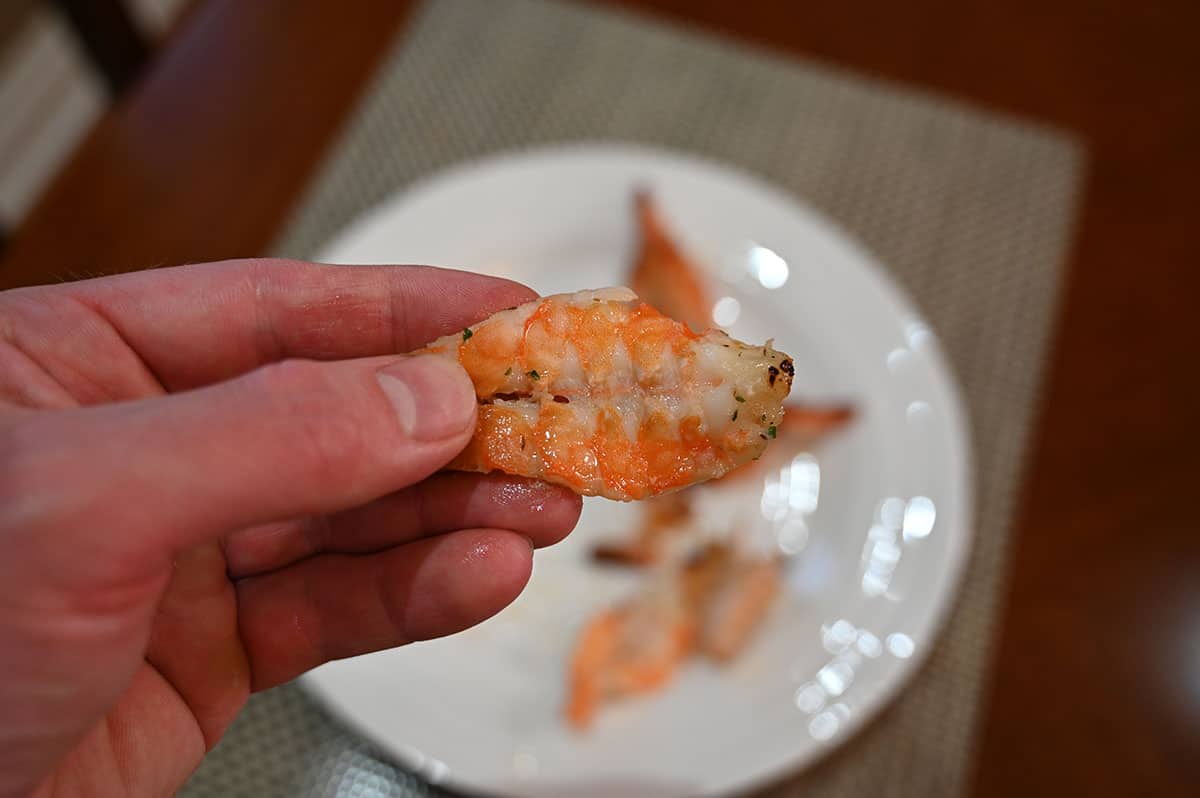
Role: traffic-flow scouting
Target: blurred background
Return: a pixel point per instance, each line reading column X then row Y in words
column 61, row 65
column 141, row 133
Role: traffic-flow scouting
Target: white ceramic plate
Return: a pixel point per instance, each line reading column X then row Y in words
column 877, row 519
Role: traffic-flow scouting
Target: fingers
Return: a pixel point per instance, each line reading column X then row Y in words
column 196, row 325
column 194, row 642
column 336, row 606
column 288, row 440
column 445, row 502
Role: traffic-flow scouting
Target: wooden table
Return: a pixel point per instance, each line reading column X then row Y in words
column 1096, row 677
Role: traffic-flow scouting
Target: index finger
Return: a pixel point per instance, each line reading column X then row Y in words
column 195, row 325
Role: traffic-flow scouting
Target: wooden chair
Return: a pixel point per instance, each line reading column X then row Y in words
column 107, row 33
column 111, row 39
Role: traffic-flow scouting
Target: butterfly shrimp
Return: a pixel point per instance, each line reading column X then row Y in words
column 600, row 392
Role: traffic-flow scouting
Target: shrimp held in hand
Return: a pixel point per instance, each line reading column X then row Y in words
column 600, row 392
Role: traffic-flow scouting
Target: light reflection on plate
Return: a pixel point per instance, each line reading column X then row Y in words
column 876, row 520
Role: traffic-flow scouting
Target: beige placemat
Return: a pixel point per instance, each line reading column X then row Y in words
column 970, row 210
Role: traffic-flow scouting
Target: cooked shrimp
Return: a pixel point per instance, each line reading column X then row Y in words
column 666, row 519
column 663, row 275
column 710, row 604
column 806, row 425
column 634, row 648
column 736, row 605
column 599, row 392
column 810, row 422
column 663, row 517
column 700, row 574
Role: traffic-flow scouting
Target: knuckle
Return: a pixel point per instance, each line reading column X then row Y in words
column 328, row 434
column 24, row 444
column 33, row 460
column 15, row 450
column 335, row 446
column 289, row 378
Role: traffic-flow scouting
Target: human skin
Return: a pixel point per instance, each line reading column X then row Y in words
column 216, row 477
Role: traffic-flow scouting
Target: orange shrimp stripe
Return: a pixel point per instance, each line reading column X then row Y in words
column 658, row 461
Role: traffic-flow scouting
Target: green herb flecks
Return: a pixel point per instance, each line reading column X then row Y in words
column 467, row 333
column 739, row 398
column 772, row 431
column 508, row 372
column 734, row 416
column 535, row 375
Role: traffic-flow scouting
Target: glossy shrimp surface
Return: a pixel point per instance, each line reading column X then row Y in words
column 600, row 392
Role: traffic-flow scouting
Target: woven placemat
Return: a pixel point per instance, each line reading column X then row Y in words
column 970, row 210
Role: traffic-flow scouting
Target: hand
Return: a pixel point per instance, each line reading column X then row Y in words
column 216, row 477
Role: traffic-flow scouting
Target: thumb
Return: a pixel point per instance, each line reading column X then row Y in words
column 290, row 439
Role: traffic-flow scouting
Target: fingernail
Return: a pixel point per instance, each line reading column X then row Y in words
column 433, row 397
